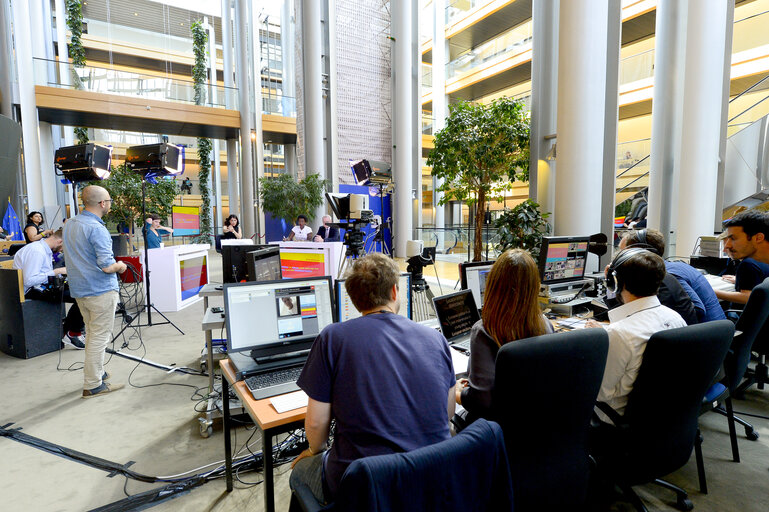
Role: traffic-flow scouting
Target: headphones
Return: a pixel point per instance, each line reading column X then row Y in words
column 612, row 282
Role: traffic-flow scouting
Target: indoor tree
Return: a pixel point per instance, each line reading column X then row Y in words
column 284, row 198
column 522, row 227
column 479, row 154
column 199, row 76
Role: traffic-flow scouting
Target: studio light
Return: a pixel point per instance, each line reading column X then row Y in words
column 83, row 162
column 161, row 159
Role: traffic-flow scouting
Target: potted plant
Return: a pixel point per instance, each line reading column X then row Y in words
column 284, row 198
column 522, row 227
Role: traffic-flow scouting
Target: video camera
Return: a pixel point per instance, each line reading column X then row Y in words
column 353, row 214
column 417, row 258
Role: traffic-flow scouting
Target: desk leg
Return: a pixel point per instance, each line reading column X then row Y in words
column 210, row 362
column 269, row 484
column 227, row 440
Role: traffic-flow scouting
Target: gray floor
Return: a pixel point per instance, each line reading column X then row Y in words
column 157, row 428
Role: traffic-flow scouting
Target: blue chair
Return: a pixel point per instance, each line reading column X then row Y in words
column 467, row 473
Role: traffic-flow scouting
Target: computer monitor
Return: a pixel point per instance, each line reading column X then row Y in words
column 473, row 277
column 277, row 317
column 235, row 261
column 457, row 313
column 264, row 264
column 346, row 311
column 562, row 258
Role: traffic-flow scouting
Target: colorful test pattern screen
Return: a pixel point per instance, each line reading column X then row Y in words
column 565, row 260
column 300, row 265
column 194, row 275
column 185, row 220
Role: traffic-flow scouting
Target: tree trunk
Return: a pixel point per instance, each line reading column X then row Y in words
column 480, row 207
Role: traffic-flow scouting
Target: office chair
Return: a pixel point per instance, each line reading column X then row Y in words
column 656, row 435
column 544, row 392
column 466, row 473
column 760, row 374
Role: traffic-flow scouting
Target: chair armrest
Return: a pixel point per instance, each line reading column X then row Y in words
column 613, row 415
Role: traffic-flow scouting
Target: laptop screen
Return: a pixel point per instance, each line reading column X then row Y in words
column 276, row 313
column 456, row 313
column 473, row 277
column 346, row 310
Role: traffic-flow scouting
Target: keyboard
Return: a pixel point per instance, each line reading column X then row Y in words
column 273, row 383
column 464, row 345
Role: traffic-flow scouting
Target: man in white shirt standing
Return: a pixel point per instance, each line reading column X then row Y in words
column 36, row 263
column 637, row 274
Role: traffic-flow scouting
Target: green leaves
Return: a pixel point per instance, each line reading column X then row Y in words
column 199, row 77
column 522, row 227
column 75, row 25
column 199, row 69
column 284, row 198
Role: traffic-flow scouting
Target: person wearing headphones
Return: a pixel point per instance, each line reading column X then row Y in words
column 634, row 275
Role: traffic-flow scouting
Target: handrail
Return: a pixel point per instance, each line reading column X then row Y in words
column 633, row 166
column 632, row 141
column 748, row 90
column 628, row 185
column 750, row 107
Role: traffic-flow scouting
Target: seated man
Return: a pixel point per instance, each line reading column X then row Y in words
column 387, row 381
column 327, row 232
column 747, row 239
column 691, row 280
column 638, row 275
column 36, row 263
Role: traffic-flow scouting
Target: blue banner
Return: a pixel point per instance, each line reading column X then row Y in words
column 11, row 224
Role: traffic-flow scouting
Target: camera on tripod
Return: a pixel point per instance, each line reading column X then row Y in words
column 417, row 258
column 353, row 214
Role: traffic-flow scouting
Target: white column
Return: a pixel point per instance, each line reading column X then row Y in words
column 287, row 38
column 701, row 123
column 440, row 100
column 229, row 84
column 6, row 60
column 246, row 119
column 582, row 47
column 667, row 109
column 312, row 43
column 256, row 52
column 402, row 129
column 218, row 221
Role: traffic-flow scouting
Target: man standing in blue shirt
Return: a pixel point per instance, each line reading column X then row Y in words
column 91, row 269
column 387, row 381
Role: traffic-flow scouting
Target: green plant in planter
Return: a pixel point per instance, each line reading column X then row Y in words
column 284, row 198
column 199, row 76
column 77, row 53
column 522, row 227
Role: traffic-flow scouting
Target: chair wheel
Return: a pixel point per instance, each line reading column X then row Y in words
column 685, row 504
column 752, row 435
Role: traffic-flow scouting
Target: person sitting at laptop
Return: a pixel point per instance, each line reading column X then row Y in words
column 510, row 312
column 386, row 380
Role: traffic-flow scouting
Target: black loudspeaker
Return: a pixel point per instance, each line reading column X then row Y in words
column 83, row 162
column 156, row 159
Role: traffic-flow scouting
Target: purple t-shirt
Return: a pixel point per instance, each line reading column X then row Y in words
column 387, row 380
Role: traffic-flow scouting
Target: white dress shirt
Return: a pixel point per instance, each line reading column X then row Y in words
column 301, row 234
column 632, row 325
column 36, row 263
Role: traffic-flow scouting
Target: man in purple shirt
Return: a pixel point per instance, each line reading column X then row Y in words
column 387, row 381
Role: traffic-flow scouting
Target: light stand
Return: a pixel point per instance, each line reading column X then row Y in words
column 379, row 233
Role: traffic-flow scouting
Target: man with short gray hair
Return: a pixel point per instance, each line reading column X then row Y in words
column 327, row 232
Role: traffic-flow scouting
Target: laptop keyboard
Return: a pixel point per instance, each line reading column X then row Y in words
column 464, row 345
column 273, row 383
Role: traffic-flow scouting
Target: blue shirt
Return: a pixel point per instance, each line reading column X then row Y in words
column 153, row 240
column 387, row 380
column 699, row 290
column 750, row 273
column 88, row 247
column 36, row 263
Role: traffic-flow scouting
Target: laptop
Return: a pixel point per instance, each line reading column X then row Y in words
column 271, row 326
column 457, row 313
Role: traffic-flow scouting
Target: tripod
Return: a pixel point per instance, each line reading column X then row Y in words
column 422, row 296
column 354, row 242
column 384, row 224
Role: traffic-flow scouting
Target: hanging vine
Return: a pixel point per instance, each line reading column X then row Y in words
column 76, row 53
column 199, row 76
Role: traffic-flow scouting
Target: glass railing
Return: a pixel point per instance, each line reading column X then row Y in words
column 636, row 67
column 458, row 9
column 427, row 124
column 750, row 32
column 427, row 76
column 108, row 80
column 631, row 153
column 748, row 107
column 512, row 42
column 279, row 105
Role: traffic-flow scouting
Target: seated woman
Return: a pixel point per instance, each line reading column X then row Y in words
column 32, row 231
column 510, row 312
column 232, row 228
column 301, row 232
column 151, row 227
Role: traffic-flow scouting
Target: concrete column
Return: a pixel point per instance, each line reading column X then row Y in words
column 611, row 116
column 312, row 63
column 416, row 115
column 330, row 102
column 544, row 99
column 6, row 60
column 703, row 97
column 440, row 100
column 402, row 65
column 258, row 138
column 246, row 119
column 667, row 109
column 582, row 51
column 213, row 92
column 233, row 190
column 726, row 93
column 287, row 38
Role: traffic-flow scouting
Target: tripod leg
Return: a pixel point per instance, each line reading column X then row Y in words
column 166, row 319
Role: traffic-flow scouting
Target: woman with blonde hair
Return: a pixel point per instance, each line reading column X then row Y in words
column 510, row 312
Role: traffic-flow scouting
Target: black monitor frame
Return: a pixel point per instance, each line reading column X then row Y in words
column 549, row 240
column 237, row 255
column 338, row 283
column 473, row 312
column 470, row 264
column 261, row 254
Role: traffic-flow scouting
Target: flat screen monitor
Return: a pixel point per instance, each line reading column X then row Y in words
column 457, row 313
column 562, row 258
column 235, row 262
column 264, row 264
column 473, row 277
column 346, row 311
column 277, row 317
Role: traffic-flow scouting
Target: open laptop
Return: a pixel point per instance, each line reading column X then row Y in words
column 457, row 313
column 271, row 326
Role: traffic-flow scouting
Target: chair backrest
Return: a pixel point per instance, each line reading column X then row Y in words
column 751, row 322
column 466, row 473
column 678, row 368
column 543, row 397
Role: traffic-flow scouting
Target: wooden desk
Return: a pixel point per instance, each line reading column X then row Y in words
column 266, row 418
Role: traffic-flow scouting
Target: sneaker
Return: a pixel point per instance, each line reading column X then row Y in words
column 74, row 340
column 101, row 390
column 106, row 376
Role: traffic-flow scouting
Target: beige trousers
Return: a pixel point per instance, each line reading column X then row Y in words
column 99, row 316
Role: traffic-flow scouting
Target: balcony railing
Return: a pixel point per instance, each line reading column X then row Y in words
column 512, row 42
column 636, row 67
column 456, row 9
column 276, row 104
column 427, row 123
column 427, row 76
column 750, row 32
column 108, row 80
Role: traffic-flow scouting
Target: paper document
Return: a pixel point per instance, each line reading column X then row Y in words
column 572, row 322
column 718, row 283
column 460, row 361
column 289, row 401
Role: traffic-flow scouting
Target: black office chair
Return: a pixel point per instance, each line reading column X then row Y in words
column 656, row 435
column 466, row 473
column 544, row 392
column 760, row 375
